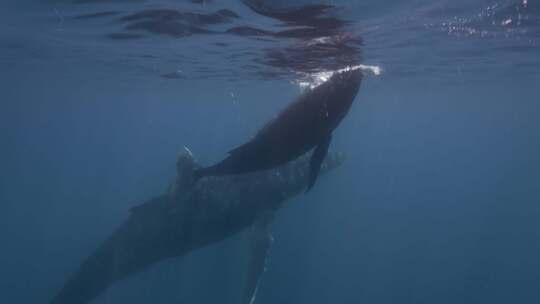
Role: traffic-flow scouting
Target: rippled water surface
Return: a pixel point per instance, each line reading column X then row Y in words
column 437, row 201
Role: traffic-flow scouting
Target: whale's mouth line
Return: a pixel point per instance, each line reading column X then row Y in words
column 313, row 80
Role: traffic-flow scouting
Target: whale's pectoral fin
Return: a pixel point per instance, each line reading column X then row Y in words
column 316, row 160
column 260, row 242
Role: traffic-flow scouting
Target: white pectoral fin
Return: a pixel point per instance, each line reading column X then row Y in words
column 260, row 242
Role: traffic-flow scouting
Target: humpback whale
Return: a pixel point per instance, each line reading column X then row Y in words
column 188, row 217
column 304, row 124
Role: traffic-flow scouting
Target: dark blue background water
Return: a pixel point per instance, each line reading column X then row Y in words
column 438, row 201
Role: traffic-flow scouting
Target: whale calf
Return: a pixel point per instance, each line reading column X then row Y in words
column 304, row 124
column 188, row 217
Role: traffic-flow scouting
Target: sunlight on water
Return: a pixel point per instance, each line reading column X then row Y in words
column 316, row 79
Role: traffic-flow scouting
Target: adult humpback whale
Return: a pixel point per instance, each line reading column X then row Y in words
column 304, row 124
column 190, row 217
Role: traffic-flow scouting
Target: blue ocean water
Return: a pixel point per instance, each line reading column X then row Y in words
column 437, row 201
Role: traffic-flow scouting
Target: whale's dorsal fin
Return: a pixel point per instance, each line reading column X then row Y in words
column 260, row 242
column 316, row 160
